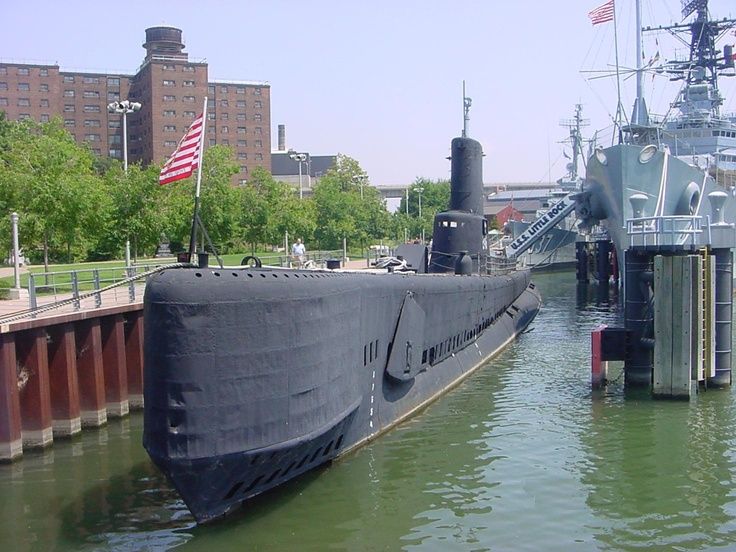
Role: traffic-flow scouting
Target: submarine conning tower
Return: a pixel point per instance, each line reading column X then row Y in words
column 462, row 227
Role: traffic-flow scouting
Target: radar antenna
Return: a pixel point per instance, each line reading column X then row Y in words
column 466, row 112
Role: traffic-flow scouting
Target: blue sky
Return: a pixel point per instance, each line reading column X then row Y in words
column 381, row 81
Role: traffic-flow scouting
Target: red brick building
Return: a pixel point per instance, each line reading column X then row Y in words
column 171, row 90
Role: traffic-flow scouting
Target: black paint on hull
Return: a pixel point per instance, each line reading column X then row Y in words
column 254, row 376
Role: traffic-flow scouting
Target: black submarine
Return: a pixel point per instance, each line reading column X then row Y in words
column 254, row 376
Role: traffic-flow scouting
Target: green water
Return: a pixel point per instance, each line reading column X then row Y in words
column 521, row 456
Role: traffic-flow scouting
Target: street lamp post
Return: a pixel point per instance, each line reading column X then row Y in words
column 124, row 107
column 360, row 178
column 299, row 158
column 419, row 192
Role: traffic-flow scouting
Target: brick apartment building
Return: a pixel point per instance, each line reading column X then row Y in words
column 171, row 89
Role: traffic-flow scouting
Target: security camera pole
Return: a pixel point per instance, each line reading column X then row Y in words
column 124, row 107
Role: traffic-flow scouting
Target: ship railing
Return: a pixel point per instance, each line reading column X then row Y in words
column 662, row 231
column 496, row 264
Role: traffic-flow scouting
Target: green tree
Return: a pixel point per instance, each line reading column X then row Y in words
column 49, row 180
column 136, row 210
column 435, row 197
column 346, row 206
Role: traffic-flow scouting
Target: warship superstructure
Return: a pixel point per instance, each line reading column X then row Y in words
column 254, row 376
column 668, row 167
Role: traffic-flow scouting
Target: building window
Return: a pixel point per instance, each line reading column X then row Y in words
column 259, row 157
column 3, row 101
column 189, row 99
column 43, row 87
column 242, row 143
column 188, row 83
column 169, row 67
column 68, row 93
column 69, row 108
column 257, row 91
column 225, row 142
column 169, row 128
column 211, row 89
column 240, row 103
column 68, row 78
column 24, row 116
column 115, row 153
column 223, row 103
column 169, row 83
column 96, row 151
column 24, row 102
column 3, row 70
column 91, row 80
column 242, row 182
column 259, row 144
column 188, row 68
column 223, row 90
column 113, row 96
column 258, row 104
column 91, row 122
column 113, row 81
column 241, row 117
column 44, row 103
column 224, row 117
column 44, row 118
column 259, row 131
column 170, row 143
column 91, row 94
column 212, row 141
column 69, row 122
column 91, row 108
column 211, row 116
column 242, row 155
column 169, row 98
column 169, row 113
column 3, row 85
column 240, row 90
column 242, row 130
column 43, row 72
column 24, row 87
column 92, row 137
column 114, row 139
column 224, row 130
column 113, row 124
column 23, row 71
column 257, row 117
column 211, row 130
column 243, row 169
column 190, row 114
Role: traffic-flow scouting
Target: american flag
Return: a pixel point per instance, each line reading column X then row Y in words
column 602, row 14
column 185, row 158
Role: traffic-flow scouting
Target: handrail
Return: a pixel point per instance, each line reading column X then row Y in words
column 670, row 230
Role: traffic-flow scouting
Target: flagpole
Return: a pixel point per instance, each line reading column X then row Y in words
column 617, row 122
column 200, row 162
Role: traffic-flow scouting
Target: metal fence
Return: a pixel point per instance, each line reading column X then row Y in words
column 60, row 285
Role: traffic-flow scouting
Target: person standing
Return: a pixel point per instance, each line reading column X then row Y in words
column 298, row 252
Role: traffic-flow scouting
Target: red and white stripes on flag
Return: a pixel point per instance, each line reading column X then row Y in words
column 602, row 14
column 185, row 158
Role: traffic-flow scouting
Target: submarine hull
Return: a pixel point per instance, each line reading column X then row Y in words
column 256, row 375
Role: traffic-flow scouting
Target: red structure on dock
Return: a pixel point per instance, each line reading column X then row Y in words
column 62, row 373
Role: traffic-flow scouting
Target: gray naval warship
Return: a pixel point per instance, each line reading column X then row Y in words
column 663, row 170
column 254, row 376
column 666, row 190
